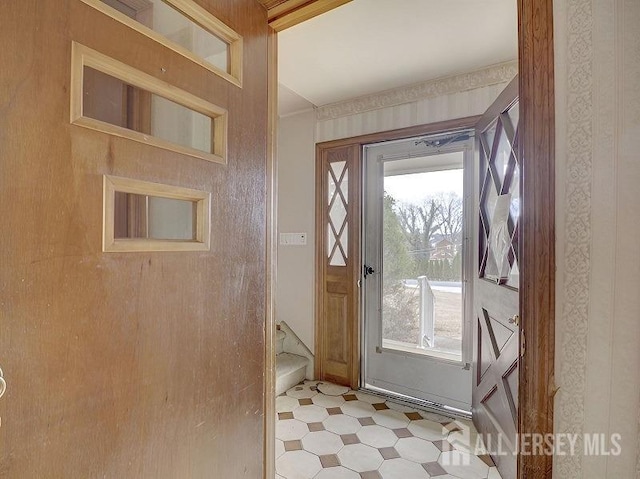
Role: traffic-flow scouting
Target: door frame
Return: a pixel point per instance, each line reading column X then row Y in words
column 450, row 370
column 358, row 142
column 537, row 294
column 269, row 470
column 537, row 254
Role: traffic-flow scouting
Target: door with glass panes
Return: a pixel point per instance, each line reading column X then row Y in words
column 133, row 235
column 418, row 207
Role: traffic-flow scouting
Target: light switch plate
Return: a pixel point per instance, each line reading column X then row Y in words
column 293, row 239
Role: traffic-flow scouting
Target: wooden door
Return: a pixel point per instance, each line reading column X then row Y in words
column 496, row 332
column 338, row 264
column 137, row 364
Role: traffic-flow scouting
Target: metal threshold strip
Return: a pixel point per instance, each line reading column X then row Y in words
column 429, row 406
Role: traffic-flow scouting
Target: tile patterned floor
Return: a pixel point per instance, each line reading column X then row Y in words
column 324, row 431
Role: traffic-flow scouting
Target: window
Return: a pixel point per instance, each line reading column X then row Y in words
column 115, row 98
column 144, row 216
column 186, row 28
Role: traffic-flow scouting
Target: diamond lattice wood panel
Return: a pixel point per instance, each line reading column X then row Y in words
column 500, row 199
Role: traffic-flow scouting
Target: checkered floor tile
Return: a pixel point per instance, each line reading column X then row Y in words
column 325, row 431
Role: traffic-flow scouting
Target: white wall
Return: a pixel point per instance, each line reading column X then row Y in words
column 296, row 203
column 598, row 230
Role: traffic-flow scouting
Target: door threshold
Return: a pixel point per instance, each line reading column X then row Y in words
column 418, row 403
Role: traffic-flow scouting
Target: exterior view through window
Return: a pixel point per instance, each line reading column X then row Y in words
column 422, row 248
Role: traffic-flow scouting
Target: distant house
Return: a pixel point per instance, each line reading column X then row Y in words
column 443, row 249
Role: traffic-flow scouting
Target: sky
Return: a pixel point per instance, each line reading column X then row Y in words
column 413, row 188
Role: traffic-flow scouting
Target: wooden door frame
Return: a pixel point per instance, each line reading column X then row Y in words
column 537, row 294
column 271, row 260
column 537, row 255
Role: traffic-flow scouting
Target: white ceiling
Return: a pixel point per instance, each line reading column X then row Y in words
column 368, row 46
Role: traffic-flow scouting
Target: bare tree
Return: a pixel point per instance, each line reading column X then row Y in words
column 449, row 217
column 419, row 223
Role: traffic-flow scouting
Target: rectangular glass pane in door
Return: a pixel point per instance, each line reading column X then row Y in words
column 422, row 302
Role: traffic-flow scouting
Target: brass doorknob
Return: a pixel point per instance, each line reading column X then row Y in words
column 3, row 384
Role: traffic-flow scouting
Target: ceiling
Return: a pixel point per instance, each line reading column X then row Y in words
column 368, row 46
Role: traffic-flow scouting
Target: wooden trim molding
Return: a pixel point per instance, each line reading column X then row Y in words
column 537, row 264
column 272, row 258
column 83, row 56
column 113, row 184
column 408, row 132
column 287, row 13
column 204, row 19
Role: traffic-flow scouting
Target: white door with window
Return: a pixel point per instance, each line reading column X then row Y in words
column 418, row 219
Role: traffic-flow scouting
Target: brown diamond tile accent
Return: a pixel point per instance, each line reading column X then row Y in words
column 388, row 452
column 403, row 432
column 293, row 445
column 434, row 469
column 380, row 406
column 329, row 460
column 487, row 460
column 334, row 411
column 413, row 416
column 444, row 446
column 315, row 426
column 366, row 421
column 451, row 426
column 349, row 439
column 350, row 397
column 370, row 475
column 298, row 388
column 305, row 402
column 285, row 415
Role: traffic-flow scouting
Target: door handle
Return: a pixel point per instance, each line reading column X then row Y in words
column 368, row 270
column 515, row 319
column 3, row 384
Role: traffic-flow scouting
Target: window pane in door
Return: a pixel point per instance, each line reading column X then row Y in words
column 118, row 103
column 422, row 306
column 338, row 180
column 166, row 20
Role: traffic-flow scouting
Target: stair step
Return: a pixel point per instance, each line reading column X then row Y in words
column 290, row 370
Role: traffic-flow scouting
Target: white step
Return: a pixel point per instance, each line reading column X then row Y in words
column 280, row 335
column 290, row 370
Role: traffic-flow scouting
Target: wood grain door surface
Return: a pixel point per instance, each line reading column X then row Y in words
column 126, row 365
column 496, row 332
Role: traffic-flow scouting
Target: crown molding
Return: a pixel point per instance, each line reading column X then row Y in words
column 500, row 73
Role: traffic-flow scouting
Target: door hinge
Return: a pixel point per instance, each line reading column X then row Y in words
column 522, row 343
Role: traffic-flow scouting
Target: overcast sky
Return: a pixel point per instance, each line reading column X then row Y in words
column 414, row 188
